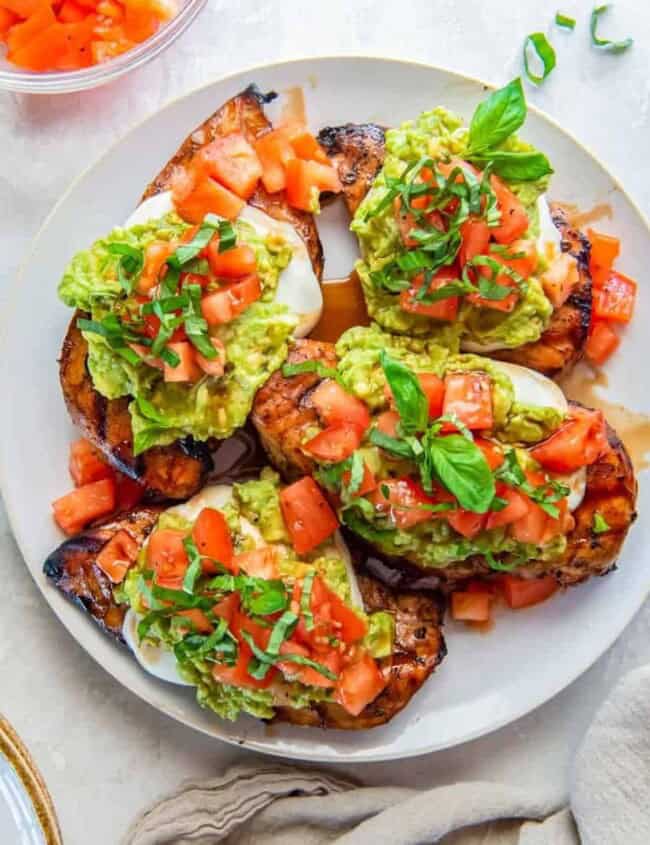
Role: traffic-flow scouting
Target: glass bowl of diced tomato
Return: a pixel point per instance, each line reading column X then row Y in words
column 61, row 46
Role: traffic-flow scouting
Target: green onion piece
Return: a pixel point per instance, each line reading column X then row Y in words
column 282, row 630
column 565, row 21
column 186, row 252
column 303, row 367
column 357, row 471
column 195, row 568
column 171, row 358
column 305, row 599
column 605, row 43
column 599, row 524
column 538, row 42
column 227, row 236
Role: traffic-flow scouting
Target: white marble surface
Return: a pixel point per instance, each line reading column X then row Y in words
column 104, row 753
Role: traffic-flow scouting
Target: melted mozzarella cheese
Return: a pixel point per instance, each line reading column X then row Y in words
column 154, row 659
column 298, row 288
column 532, row 388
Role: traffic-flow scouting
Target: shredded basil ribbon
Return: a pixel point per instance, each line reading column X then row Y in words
column 564, row 21
column 539, row 43
column 605, row 43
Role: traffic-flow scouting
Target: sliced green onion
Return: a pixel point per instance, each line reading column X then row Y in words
column 303, row 367
column 538, row 42
column 186, row 252
column 565, row 21
column 305, row 599
column 282, row 630
column 605, row 43
column 227, row 236
column 195, row 568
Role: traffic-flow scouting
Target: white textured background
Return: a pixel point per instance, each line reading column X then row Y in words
column 104, row 753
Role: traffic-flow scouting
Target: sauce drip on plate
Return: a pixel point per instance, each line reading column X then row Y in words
column 343, row 308
column 579, row 218
column 239, row 457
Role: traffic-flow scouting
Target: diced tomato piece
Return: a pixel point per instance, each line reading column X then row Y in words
column 492, row 451
column 524, row 258
column 506, row 304
column 274, row 151
column 335, row 443
column 167, row 557
column 305, row 181
column 23, row 34
column 349, row 625
column 45, row 49
column 260, row 635
column 560, row 279
column 71, row 12
column 604, row 252
column 530, row 528
column 117, row 556
column 562, row 524
column 214, row 367
column 336, row 405
column 524, row 592
column 196, row 195
column 359, row 684
column 155, row 256
column 7, row 20
column 602, row 342
column 305, row 145
column 468, row 396
column 368, row 482
column 24, row 8
column 306, row 674
column 233, row 263
column 187, row 369
column 75, row 510
column 259, row 563
column 387, row 423
column 477, row 585
column 86, row 463
column 129, row 492
column 228, row 607
column 616, row 299
column 237, row 675
column 579, row 442
column 406, row 221
column 475, row 239
column 433, row 388
column 470, row 607
column 199, row 622
column 229, row 302
column 151, row 329
column 514, row 220
column 308, row 517
column 516, row 508
column 444, row 309
column 467, row 523
column 231, row 160
column 402, row 499
column 212, row 537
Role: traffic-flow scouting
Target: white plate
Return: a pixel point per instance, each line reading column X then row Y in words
column 486, row 681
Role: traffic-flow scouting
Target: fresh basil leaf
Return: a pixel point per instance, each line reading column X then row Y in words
column 305, row 599
column 189, row 251
column 181, row 599
column 412, row 405
column 498, row 117
column 357, row 471
column 396, row 447
column 599, row 524
column 515, row 166
column 492, row 290
column 461, row 467
column 605, row 43
column 227, row 236
column 564, row 21
column 385, row 279
column 149, row 410
column 196, row 329
column 195, row 567
column 170, row 282
column 303, row 367
column 544, row 51
column 170, row 357
column 267, row 599
column 358, row 525
column 282, row 630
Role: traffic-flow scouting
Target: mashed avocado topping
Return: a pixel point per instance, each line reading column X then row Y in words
column 254, row 343
column 197, row 622
column 440, row 136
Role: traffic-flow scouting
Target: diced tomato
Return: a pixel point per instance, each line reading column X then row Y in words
column 7, row 20
column 216, row 366
column 212, row 537
column 514, row 220
column 129, row 492
column 237, row 675
column 117, row 556
column 530, row 528
column 196, row 195
column 477, row 585
column 151, row 329
column 199, row 622
column 470, row 607
column 167, row 557
column 468, row 396
column 368, row 482
column 274, row 151
column 387, row 423
column 335, row 443
column 336, row 405
column 86, row 464
column 24, row 8
column 492, row 451
column 506, row 304
column 359, row 684
column 516, row 508
column 187, row 369
column 526, row 260
column 23, row 34
column 349, row 625
column 312, row 677
column 155, row 256
column 259, row 563
column 228, row 607
column 402, row 499
column 233, row 263
column 260, row 635
column 475, row 239
column 406, row 221
column 602, row 342
column 433, row 388
column 467, row 523
column 231, row 160
column 445, row 309
column 616, row 299
column 562, row 524
column 524, row 592
column 604, row 252
column 307, row 515
column 45, row 49
column 560, row 279
column 579, row 442
column 229, row 302
column 304, row 144
column 75, row 510
column 305, row 181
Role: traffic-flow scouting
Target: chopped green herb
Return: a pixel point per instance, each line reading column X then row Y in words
column 282, row 630
column 408, row 395
column 565, row 21
column 305, row 599
column 357, row 471
column 605, row 43
column 394, row 445
column 227, row 236
column 599, row 524
column 539, row 44
column 461, row 467
column 303, row 367
column 187, row 252
column 195, row 568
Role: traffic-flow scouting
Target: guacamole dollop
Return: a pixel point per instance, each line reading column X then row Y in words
column 256, row 342
column 257, row 504
column 440, row 133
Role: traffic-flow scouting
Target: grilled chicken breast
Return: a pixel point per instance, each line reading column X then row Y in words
column 282, row 414
column 357, row 151
column 179, row 470
column 419, row 642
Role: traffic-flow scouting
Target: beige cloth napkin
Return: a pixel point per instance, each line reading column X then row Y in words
column 280, row 805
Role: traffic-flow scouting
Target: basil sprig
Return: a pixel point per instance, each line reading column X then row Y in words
column 460, row 466
column 263, row 661
column 258, row 596
column 605, row 43
column 546, row 495
column 410, row 401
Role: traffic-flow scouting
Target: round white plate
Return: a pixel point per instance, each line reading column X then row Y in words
column 486, row 681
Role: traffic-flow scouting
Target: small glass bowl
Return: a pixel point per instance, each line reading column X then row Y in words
column 66, row 82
